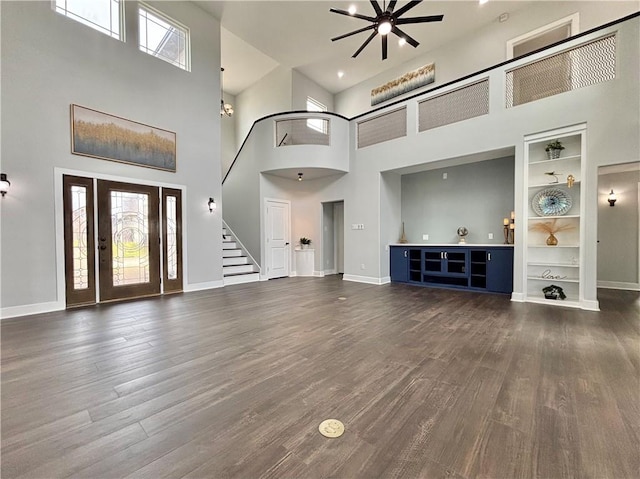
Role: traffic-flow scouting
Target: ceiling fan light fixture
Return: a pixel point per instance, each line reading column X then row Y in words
column 384, row 27
column 402, row 42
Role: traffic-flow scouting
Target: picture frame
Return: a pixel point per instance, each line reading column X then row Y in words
column 108, row 137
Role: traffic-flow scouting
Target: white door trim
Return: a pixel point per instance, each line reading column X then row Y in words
column 266, row 239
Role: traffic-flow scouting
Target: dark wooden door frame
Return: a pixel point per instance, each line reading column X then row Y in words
column 171, row 285
column 78, row 297
column 107, row 291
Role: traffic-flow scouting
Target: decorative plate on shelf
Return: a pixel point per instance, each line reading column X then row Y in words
column 551, row 202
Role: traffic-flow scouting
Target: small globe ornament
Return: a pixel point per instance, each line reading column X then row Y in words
column 462, row 232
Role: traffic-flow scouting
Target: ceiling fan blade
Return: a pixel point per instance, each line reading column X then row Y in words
column 431, row 18
column 376, row 7
column 408, row 39
column 384, row 47
column 392, row 5
column 406, row 8
column 354, row 32
column 356, row 15
column 366, row 42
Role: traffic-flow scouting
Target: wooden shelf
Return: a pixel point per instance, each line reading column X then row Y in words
column 532, row 218
column 555, row 265
column 553, row 280
column 545, row 185
column 555, row 160
column 553, row 247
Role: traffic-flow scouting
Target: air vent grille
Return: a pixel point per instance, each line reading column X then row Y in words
column 454, row 106
column 585, row 65
column 382, row 128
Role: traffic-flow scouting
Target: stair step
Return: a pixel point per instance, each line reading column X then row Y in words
column 241, row 278
column 243, row 268
column 229, row 245
column 235, row 260
column 227, row 237
column 230, row 253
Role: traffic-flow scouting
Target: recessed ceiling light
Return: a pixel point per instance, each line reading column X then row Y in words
column 482, row 2
column 340, row 74
column 402, row 42
column 352, row 9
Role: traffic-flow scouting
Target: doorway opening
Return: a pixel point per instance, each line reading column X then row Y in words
column 333, row 237
column 619, row 227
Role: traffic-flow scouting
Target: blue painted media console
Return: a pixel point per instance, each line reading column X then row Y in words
column 484, row 268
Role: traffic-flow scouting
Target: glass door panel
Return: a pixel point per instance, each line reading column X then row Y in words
column 128, row 240
column 79, row 240
column 172, row 239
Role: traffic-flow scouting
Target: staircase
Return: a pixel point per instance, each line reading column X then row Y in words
column 237, row 266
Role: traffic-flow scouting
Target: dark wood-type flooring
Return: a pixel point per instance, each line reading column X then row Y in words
column 234, row 382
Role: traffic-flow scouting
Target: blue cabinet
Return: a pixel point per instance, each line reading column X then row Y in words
column 399, row 264
column 468, row 267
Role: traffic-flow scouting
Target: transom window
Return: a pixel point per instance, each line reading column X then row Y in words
column 106, row 16
column 163, row 37
column 316, row 124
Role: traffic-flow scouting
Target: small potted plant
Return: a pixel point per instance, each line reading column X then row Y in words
column 305, row 243
column 551, row 228
column 553, row 149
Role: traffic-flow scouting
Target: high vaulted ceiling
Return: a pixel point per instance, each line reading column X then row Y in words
column 257, row 36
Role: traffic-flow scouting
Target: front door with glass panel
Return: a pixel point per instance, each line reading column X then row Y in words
column 126, row 247
column 128, row 240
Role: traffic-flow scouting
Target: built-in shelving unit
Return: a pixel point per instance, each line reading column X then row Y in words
column 560, row 264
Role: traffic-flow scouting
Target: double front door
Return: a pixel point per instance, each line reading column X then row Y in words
column 131, row 232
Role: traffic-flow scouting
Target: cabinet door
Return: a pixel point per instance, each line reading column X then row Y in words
column 433, row 260
column 500, row 270
column 399, row 264
column 456, row 262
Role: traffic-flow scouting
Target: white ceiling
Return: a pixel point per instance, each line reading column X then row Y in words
column 257, row 36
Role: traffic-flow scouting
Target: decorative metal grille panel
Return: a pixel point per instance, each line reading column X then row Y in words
column 381, row 128
column 585, row 65
column 457, row 105
column 303, row 131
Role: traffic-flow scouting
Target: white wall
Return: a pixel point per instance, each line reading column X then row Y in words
column 303, row 87
column 50, row 62
column 271, row 94
column 618, row 230
column 228, row 141
column 483, row 49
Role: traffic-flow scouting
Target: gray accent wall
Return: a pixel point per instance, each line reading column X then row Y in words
column 477, row 196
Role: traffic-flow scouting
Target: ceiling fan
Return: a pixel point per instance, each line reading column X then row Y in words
column 386, row 21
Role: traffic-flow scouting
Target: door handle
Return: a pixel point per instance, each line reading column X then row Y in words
column 405, row 253
column 287, row 243
column 488, row 256
column 445, row 255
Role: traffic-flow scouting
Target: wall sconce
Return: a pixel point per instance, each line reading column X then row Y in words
column 612, row 198
column 4, row 184
column 299, row 176
column 212, row 205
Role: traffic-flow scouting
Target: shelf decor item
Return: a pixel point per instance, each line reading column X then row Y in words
column 305, row 243
column 551, row 228
column 551, row 202
column 553, row 150
column 403, row 237
column 570, row 180
column 462, row 232
column 553, row 292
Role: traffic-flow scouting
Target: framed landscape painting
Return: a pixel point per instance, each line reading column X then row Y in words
column 108, row 137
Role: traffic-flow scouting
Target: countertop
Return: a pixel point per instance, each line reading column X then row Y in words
column 450, row 245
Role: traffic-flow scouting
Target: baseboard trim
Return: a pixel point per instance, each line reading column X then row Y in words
column 190, row 288
column 517, row 297
column 590, row 305
column 29, row 309
column 362, row 279
column 319, row 274
column 619, row 285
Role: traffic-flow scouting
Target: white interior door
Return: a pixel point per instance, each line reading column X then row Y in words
column 277, row 241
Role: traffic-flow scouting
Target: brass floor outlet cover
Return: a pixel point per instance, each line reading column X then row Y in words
column 331, row 428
